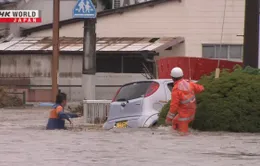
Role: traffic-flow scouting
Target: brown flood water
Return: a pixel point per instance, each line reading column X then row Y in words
column 24, row 142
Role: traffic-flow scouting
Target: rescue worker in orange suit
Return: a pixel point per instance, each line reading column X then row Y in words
column 183, row 104
column 57, row 115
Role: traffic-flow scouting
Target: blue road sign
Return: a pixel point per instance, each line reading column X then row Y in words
column 84, row 9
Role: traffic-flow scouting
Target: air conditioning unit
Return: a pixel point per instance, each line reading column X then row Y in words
column 116, row 4
column 122, row 3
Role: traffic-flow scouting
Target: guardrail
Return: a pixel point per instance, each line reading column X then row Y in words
column 96, row 111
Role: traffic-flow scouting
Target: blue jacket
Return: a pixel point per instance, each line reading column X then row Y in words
column 57, row 118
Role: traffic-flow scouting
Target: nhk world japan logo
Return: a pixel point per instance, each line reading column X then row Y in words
column 20, row 16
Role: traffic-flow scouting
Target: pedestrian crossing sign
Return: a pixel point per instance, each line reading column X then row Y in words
column 84, row 9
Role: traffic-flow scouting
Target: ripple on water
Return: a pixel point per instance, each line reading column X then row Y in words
column 24, row 141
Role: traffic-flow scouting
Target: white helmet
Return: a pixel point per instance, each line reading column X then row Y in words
column 177, row 72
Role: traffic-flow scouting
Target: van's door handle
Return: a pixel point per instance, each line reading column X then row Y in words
column 123, row 104
column 137, row 104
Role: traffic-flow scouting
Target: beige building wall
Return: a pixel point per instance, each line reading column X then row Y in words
column 177, row 50
column 198, row 21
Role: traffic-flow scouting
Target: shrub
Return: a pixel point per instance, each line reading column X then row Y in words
column 76, row 109
column 8, row 100
column 229, row 103
column 163, row 114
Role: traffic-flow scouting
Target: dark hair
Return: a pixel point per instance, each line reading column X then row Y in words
column 176, row 79
column 60, row 98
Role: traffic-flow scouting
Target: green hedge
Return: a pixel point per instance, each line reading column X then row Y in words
column 163, row 114
column 229, row 103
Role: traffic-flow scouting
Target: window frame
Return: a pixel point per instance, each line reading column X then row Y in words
column 132, row 84
column 170, row 84
column 228, row 51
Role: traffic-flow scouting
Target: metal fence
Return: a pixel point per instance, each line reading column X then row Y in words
column 96, row 111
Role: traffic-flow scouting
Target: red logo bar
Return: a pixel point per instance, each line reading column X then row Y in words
column 20, row 20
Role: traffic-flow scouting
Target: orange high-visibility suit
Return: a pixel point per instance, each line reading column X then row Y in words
column 184, row 103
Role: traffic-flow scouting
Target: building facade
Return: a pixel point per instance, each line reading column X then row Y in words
column 211, row 29
column 46, row 9
column 25, row 64
column 200, row 28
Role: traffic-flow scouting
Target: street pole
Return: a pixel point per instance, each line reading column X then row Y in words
column 89, row 59
column 56, row 48
column 251, row 34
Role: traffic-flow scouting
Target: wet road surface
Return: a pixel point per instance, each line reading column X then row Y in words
column 24, row 142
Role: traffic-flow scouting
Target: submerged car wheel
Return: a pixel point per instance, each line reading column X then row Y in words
column 151, row 121
column 154, row 124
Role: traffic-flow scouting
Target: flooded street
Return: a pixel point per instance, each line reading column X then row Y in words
column 24, row 142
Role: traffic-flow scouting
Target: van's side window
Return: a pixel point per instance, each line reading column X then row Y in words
column 133, row 91
column 170, row 86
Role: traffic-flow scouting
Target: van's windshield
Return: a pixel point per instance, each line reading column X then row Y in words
column 132, row 91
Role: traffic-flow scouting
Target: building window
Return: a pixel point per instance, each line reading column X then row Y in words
column 109, row 64
column 122, row 64
column 230, row 52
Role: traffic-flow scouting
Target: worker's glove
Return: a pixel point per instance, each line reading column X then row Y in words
column 169, row 118
column 168, row 121
column 170, row 115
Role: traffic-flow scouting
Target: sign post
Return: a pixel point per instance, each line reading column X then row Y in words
column 86, row 10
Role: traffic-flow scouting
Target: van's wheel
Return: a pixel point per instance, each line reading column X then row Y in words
column 154, row 124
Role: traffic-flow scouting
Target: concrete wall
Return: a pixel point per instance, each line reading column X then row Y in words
column 34, row 71
column 177, row 50
column 199, row 21
column 3, row 29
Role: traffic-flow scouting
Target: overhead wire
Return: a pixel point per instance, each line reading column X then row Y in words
column 222, row 31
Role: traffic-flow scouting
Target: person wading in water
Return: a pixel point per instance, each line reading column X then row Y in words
column 57, row 115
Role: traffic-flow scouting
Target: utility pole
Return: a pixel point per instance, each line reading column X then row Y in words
column 56, row 48
column 89, row 59
column 89, row 47
column 251, row 34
